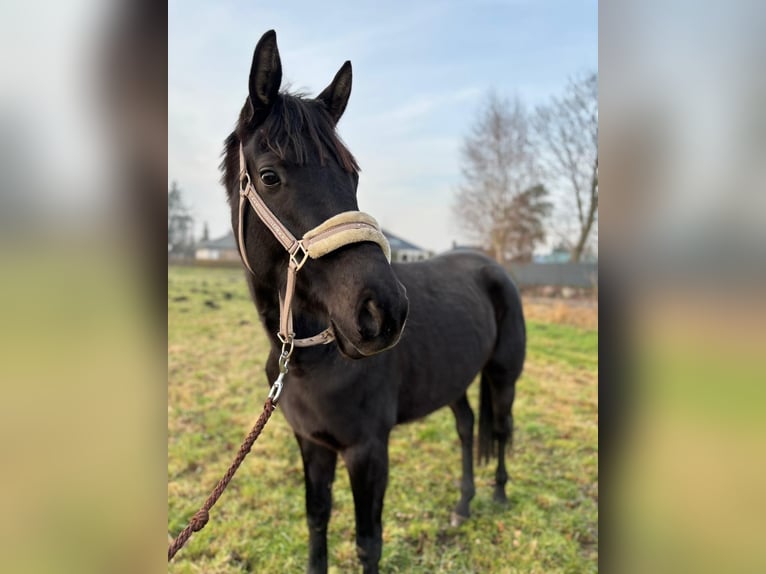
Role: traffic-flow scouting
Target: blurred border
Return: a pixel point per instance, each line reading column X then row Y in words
column 83, row 142
column 83, row 135
column 682, row 157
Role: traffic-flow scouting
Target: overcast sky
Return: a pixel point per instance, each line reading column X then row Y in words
column 421, row 72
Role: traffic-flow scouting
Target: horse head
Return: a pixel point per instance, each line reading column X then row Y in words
column 305, row 175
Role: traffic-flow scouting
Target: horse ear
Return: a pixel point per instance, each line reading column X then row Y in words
column 335, row 96
column 265, row 76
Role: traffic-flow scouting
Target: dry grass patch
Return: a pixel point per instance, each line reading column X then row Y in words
column 581, row 313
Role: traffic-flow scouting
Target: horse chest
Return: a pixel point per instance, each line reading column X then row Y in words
column 336, row 417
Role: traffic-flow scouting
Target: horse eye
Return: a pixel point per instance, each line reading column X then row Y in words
column 269, row 177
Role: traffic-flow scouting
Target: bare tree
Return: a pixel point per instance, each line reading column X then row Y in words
column 567, row 133
column 525, row 219
column 180, row 224
column 499, row 202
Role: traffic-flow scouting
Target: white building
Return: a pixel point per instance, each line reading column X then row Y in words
column 221, row 249
column 403, row 251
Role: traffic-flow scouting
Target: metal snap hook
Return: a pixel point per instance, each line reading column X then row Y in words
column 276, row 388
column 288, row 344
column 284, row 359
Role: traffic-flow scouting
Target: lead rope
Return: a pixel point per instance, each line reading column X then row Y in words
column 201, row 517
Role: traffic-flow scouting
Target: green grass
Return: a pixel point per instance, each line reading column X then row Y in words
column 216, row 389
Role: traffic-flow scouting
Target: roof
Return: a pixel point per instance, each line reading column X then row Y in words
column 225, row 242
column 398, row 244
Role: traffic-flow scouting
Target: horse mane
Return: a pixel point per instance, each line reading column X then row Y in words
column 296, row 126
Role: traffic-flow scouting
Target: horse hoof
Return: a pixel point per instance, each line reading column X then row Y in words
column 500, row 498
column 456, row 519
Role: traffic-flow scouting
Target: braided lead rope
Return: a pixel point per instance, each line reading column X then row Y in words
column 200, row 518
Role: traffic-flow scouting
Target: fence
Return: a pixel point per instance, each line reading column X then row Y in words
column 583, row 275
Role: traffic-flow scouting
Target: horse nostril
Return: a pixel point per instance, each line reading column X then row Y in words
column 370, row 319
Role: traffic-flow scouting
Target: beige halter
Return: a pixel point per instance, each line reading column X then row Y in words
column 341, row 229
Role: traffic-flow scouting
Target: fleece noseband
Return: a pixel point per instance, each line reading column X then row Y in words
column 339, row 230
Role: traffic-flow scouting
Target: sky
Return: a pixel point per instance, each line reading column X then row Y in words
column 421, row 72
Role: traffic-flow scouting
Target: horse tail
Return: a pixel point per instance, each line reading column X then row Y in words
column 499, row 375
column 486, row 442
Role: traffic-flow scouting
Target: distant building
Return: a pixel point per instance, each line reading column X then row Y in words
column 403, row 251
column 221, row 249
column 466, row 247
column 225, row 249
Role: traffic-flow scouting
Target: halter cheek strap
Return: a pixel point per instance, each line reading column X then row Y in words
column 339, row 230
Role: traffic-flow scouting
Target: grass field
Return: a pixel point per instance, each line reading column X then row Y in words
column 216, row 389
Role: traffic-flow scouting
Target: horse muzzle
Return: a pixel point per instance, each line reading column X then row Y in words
column 379, row 324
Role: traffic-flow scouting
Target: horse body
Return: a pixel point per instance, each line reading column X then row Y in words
column 413, row 379
column 463, row 317
column 451, row 331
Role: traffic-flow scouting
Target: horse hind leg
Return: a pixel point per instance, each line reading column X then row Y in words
column 498, row 388
column 464, row 422
column 500, row 373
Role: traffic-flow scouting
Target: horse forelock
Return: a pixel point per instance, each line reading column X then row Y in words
column 298, row 129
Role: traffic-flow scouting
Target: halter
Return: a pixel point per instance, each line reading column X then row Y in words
column 339, row 230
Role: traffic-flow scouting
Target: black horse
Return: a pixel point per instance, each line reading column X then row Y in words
column 463, row 314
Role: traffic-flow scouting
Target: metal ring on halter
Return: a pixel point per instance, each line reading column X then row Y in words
column 288, row 340
column 298, row 263
column 244, row 183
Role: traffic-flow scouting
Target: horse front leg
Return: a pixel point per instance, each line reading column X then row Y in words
column 368, row 472
column 319, row 472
